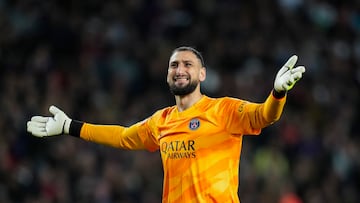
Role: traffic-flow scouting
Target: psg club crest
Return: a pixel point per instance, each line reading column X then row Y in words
column 194, row 124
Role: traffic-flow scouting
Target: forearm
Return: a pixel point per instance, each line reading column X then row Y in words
column 268, row 112
column 273, row 106
column 110, row 135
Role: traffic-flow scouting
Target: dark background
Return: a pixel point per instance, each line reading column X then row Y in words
column 106, row 62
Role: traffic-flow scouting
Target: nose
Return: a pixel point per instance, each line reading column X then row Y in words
column 180, row 69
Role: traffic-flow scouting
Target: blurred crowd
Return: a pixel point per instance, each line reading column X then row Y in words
column 106, row 62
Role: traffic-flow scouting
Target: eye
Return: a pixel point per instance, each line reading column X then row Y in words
column 173, row 65
column 188, row 64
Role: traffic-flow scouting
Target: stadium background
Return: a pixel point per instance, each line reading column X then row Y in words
column 106, row 62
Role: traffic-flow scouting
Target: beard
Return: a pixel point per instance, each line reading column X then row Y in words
column 181, row 91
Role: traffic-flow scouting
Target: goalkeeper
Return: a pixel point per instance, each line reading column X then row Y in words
column 199, row 138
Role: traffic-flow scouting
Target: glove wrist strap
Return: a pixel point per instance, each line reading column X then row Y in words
column 66, row 127
column 75, row 128
column 279, row 94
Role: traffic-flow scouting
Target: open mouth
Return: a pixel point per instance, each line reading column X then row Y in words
column 181, row 78
column 181, row 81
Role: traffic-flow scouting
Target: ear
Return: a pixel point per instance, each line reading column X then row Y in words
column 202, row 74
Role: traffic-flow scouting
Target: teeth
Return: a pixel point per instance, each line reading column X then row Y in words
column 179, row 78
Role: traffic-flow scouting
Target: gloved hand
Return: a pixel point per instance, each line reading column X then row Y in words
column 41, row 126
column 288, row 76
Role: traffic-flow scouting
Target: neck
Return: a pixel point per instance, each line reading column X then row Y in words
column 186, row 101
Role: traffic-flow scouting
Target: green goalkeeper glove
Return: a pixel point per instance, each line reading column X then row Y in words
column 288, row 76
column 41, row 126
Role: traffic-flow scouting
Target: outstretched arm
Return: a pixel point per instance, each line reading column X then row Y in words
column 110, row 135
column 61, row 124
column 271, row 110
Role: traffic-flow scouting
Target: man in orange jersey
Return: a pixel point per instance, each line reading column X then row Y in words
column 199, row 138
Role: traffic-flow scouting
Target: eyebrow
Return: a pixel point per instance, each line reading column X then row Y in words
column 184, row 61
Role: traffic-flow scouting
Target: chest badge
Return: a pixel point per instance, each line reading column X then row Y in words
column 194, row 124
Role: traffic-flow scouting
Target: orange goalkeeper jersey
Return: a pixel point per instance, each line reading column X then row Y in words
column 200, row 147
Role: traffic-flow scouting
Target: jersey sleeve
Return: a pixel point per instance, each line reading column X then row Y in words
column 133, row 137
column 249, row 118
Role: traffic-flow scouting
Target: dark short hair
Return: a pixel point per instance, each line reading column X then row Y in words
column 193, row 50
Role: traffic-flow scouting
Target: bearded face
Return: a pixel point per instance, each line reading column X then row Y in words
column 185, row 73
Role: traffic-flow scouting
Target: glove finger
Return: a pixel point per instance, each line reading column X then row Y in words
column 291, row 62
column 54, row 110
column 282, row 71
column 300, row 69
column 290, row 81
column 35, row 130
column 40, row 119
column 29, row 126
column 37, row 124
column 34, row 125
column 297, row 72
column 38, row 133
column 297, row 76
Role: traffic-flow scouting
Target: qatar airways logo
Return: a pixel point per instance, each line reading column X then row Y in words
column 179, row 149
